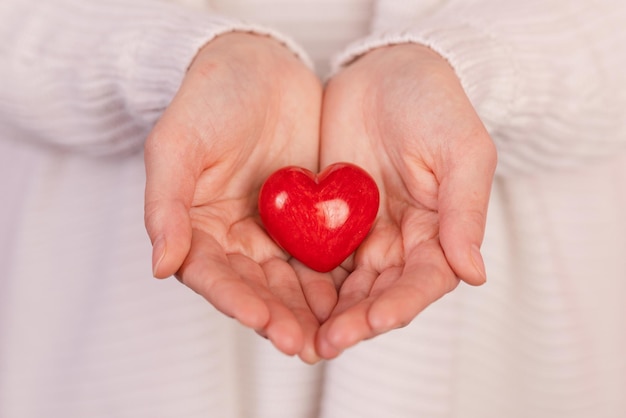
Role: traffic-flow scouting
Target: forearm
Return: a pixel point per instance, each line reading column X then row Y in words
column 546, row 77
column 95, row 75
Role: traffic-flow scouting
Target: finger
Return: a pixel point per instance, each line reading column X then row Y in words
column 282, row 327
column 208, row 272
column 348, row 322
column 170, row 184
column 355, row 288
column 319, row 289
column 463, row 200
column 283, row 283
column 425, row 278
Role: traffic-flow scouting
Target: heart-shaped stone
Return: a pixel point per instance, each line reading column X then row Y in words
column 319, row 219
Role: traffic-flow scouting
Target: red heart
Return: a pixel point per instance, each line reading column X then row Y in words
column 320, row 220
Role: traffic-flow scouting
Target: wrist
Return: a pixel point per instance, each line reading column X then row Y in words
column 254, row 51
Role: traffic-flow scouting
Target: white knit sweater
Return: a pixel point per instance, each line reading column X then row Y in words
column 84, row 330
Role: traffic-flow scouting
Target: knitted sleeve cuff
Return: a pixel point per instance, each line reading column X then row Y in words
column 526, row 70
column 95, row 76
column 159, row 55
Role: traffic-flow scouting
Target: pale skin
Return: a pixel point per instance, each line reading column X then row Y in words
column 233, row 123
column 248, row 107
column 401, row 113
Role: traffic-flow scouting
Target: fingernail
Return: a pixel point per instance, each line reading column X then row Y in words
column 309, row 355
column 158, row 253
column 479, row 264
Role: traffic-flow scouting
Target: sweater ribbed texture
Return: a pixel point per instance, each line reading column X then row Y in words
column 546, row 67
column 85, row 332
column 100, row 83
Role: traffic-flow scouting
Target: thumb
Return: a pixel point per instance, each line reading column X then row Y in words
column 170, row 185
column 463, row 201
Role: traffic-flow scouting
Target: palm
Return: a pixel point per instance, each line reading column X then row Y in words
column 224, row 203
column 399, row 130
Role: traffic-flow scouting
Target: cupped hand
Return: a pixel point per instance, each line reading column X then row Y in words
column 246, row 107
column 401, row 113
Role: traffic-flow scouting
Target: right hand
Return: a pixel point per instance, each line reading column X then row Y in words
column 246, row 107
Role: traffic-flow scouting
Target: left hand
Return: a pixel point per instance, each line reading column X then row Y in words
column 400, row 113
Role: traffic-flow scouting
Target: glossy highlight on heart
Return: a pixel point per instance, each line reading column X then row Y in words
column 319, row 219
